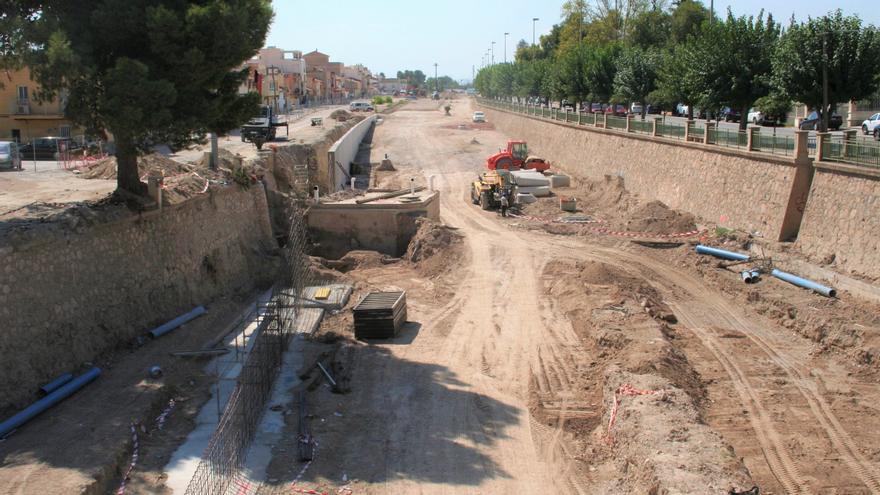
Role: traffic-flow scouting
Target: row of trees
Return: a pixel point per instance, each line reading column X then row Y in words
column 662, row 55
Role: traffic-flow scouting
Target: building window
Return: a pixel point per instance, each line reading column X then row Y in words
column 64, row 131
column 22, row 93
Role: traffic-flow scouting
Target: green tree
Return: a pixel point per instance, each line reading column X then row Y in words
column 732, row 61
column 831, row 47
column 676, row 82
column 686, row 20
column 570, row 69
column 148, row 71
column 650, row 29
column 599, row 71
column 636, row 76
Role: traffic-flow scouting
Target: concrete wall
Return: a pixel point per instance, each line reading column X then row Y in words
column 737, row 189
column 842, row 219
column 67, row 296
column 341, row 227
column 344, row 151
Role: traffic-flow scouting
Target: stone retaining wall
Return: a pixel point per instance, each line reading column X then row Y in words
column 69, row 295
column 749, row 191
column 841, row 224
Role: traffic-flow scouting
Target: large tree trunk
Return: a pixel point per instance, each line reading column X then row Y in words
column 743, row 118
column 127, row 176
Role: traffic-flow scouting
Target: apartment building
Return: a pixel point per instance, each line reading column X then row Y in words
column 22, row 117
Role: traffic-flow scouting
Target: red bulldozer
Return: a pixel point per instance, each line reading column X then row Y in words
column 516, row 157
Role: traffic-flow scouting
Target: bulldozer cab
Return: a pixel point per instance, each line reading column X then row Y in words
column 519, row 150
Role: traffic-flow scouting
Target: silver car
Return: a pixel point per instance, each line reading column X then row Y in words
column 9, row 156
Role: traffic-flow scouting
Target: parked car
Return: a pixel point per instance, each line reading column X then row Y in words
column 870, row 124
column 730, row 115
column 597, row 108
column 48, row 148
column 9, row 155
column 360, row 106
column 758, row 117
column 618, row 110
column 655, row 109
column 681, row 110
column 567, row 105
column 479, row 117
column 814, row 120
column 636, row 108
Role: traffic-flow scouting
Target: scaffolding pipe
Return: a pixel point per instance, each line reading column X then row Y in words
column 806, row 284
column 720, row 253
column 180, row 320
column 48, row 401
column 54, row 384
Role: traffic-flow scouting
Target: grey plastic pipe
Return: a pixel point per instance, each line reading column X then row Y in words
column 180, row 320
column 54, row 384
column 720, row 253
column 48, row 401
column 746, row 276
column 806, row 284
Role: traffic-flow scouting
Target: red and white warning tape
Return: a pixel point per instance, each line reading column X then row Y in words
column 625, row 389
column 135, row 449
column 617, row 233
column 344, row 490
column 204, row 189
column 134, row 459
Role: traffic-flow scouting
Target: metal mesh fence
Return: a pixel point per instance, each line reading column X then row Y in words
column 227, row 449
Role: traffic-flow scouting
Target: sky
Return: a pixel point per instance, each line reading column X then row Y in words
column 392, row 35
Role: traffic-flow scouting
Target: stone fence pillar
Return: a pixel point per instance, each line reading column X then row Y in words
column 710, row 126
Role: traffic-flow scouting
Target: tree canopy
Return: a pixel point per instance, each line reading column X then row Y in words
column 834, row 46
column 145, row 71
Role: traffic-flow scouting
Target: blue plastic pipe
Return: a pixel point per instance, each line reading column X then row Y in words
column 48, row 401
column 720, row 253
column 180, row 320
column 54, row 384
column 806, row 284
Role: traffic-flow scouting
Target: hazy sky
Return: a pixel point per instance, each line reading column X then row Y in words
column 392, row 35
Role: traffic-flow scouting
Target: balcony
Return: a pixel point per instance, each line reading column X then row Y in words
column 20, row 107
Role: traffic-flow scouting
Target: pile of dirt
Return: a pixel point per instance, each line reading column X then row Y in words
column 357, row 260
column 657, row 218
column 658, row 441
column 341, row 115
column 152, row 164
column 433, row 248
column 225, row 160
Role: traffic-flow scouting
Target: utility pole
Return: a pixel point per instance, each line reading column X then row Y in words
column 436, row 82
column 493, row 53
column 534, row 20
column 825, row 110
column 505, row 47
column 473, row 74
column 712, row 10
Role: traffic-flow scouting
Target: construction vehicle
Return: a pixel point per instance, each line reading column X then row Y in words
column 490, row 187
column 516, row 157
column 261, row 129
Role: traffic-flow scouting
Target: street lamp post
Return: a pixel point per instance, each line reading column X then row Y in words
column 493, row 53
column 534, row 20
column 505, row 47
column 436, row 82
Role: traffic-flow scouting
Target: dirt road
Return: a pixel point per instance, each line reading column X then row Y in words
column 446, row 408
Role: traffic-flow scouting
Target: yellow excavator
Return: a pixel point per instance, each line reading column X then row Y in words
column 490, row 187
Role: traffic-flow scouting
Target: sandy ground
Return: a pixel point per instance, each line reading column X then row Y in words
column 522, row 336
column 505, row 378
column 46, row 189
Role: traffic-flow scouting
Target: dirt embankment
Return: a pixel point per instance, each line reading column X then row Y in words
column 606, row 204
column 646, row 433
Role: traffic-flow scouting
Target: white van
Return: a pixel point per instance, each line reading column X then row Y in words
column 360, row 106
